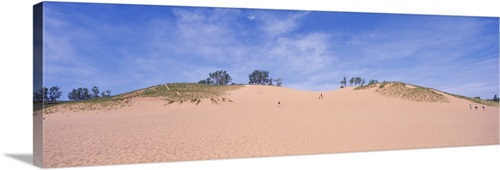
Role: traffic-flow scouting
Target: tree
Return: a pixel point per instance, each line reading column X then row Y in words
column 357, row 80
column 270, row 82
column 495, row 98
column 351, row 81
column 54, row 94
column 95, row 92
column 73, row 95
column 38, row 95
column 85, row 95
column 206, row 81
column 279, row 82
column 219, row 77
column 106, row 94
column 362, row 82
column 79, row 94
column 343, row 82
column 259, row 77
column 372, row 82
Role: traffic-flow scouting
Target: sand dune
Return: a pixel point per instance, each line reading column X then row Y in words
column 253, row 124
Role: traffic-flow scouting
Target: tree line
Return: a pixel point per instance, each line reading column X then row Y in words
column 51, row 95
column 46, row 95
column 221, row 77
column 84, row 94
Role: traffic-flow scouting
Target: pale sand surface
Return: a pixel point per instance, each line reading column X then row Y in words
column 253, row 125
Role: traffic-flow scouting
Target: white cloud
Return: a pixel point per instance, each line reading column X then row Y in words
column 275, row 25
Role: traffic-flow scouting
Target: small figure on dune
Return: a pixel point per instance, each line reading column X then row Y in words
column 484, row 108
column 470, row 106
column 279, row 104
column 475, row 106
column 321, row 96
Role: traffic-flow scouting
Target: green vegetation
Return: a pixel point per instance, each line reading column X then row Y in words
column 356, row 81
column 411, row 92
column 418, row 93
column 84, row 94
column 219, row 77
column 476, row 100
column 171, row 93
column 45, row 95
column 260, row 77
column 183, row 91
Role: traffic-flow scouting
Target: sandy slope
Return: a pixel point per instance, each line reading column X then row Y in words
column 254, row 124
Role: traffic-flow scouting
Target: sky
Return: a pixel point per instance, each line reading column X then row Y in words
column 128, row 47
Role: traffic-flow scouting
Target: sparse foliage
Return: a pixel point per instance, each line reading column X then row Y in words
column 495, row 98
column 343, row 82
column 107, row 93
column 279, row 82
column 372, row 82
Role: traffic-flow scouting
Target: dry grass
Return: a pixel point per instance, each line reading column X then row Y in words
column 172, row 93
column 404, row 91
column 418, row 93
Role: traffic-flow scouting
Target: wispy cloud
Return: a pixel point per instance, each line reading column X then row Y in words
column 177, row 44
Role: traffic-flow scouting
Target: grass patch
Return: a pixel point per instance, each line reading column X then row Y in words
column 365, row 87
column 174, row 93
column 476, row 100
column 419, row 93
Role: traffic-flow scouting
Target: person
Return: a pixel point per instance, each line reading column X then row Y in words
column 484, row 108
column 470, row 106
column 279, row 104
column 475, row 106
column 321, row 95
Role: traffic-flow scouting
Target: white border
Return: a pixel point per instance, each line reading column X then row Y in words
column 16, row 74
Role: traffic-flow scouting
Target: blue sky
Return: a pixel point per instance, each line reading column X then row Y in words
column 127, row 47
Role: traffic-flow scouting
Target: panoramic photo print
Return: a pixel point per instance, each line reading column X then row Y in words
column 122, row 84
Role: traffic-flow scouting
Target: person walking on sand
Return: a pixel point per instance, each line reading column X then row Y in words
column 484, row 108
column 321, row 95
column 279, row 104
column 470, row 106
column 475, row 106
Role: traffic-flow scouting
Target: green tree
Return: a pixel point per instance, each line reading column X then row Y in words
column 259, row 77
column 206, row 81
column 495, row 98
column 357, row 80
column 54, row 94
column 79, row 94
column 279, row 82
column 95, row 92
column 219, row 77
column 107, row 93
column 343, row 82
column 372, row 82
column 39, row 95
